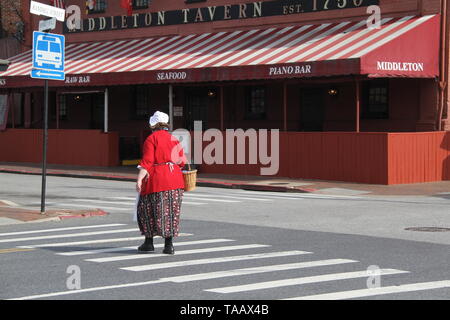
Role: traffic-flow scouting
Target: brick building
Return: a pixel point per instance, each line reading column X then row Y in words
column 11, row 28
column 353, row 101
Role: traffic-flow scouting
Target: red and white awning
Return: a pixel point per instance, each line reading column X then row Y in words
column 407, row 46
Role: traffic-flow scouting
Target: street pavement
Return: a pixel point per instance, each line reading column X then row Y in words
column 11, row 213
column 235, row 245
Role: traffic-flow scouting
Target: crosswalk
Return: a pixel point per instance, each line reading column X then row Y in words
column 217, row 257
column 190, row 199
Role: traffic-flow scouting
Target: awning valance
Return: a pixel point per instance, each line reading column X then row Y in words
column 401, row 47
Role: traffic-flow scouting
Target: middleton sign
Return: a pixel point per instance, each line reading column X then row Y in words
column 249, row 10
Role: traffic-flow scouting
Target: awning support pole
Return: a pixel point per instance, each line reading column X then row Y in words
column 11, row 108
column 170, row 107
column 284, row 106
column 358, row 103
column 106, row 111
column 221, row 109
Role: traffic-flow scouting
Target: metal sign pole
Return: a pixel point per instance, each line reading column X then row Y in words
column 44, row 149
column 47, row 63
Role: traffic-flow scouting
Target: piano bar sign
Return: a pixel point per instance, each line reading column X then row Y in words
column 249, row 10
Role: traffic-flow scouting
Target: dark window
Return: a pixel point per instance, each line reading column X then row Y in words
column 99, row 7
column 141, row 98
column 376, row 100
column 62, row 107
column 140, row 4
column 256, row 103
column 194, row 1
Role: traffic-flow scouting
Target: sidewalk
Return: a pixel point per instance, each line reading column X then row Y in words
column 274, row 184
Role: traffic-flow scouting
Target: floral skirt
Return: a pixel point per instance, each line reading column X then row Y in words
column 158, row 213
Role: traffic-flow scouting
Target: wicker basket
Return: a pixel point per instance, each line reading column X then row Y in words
column 190, row 179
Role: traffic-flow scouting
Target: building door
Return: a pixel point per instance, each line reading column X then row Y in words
column 196, row 108
column 312, row 109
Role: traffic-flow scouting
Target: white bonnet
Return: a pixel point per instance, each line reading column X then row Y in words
column 157, row 117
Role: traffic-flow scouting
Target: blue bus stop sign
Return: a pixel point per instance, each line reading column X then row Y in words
column 48, row 56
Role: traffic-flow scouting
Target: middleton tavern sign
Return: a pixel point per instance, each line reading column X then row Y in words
column 214, row 13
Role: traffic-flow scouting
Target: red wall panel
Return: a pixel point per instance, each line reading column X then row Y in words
column 343, row 156
column 69, row 147
column 375, row 158
column 418, row 157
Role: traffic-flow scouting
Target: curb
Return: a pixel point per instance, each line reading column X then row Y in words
column 62, row 216
column 70, row 175
column 98, row 212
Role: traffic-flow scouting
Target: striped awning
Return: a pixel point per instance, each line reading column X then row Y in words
column 406, row 46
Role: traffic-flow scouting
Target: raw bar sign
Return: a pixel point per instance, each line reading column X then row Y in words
column 256, row 9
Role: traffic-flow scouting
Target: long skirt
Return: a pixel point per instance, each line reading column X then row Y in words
column 158, row 213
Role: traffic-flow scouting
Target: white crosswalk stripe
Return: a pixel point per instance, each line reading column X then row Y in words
column 192, row 198
column 61, row 229
column 185, row 263
column 181, row 252
column 127, row 203
column 351, row 294
column 213, row 200
column 231, row 197
column 196, row 198
column 69, row 235
column 160, row 245
column 224, row 260
column 97, row 241
column 255, row 270
column 70, row 205
column 302, row 280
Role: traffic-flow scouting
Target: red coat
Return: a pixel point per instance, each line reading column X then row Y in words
column 157, row 151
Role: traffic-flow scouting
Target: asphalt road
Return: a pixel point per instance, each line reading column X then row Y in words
column 235, row 245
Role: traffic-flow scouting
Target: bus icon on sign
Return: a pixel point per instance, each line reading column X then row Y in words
column 48, row 56
column 49, row 51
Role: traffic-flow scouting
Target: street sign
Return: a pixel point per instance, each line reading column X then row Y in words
column 48, row 56
column 47, row 25
column 49, row 11
column 45, row 74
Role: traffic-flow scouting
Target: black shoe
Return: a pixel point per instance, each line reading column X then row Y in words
column 147, row 246
column 168, row 246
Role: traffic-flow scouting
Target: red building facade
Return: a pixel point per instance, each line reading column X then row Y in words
column 351, row 103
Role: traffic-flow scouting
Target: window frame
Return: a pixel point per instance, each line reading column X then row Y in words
column 370, row 93
column 250, row 99
column 142, row 6
column 193, row 1
column 141, row 105
column 62, row 105
column 98, row 9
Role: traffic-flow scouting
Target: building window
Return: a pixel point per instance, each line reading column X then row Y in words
column 376, row 100
column 256, row 103
column 140, row 4
column 62, row 107
column 194, row 1
column 98, row 6
column 141, row 98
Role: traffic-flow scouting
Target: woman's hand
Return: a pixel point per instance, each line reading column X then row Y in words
column 139, row 186
column 143, row 174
